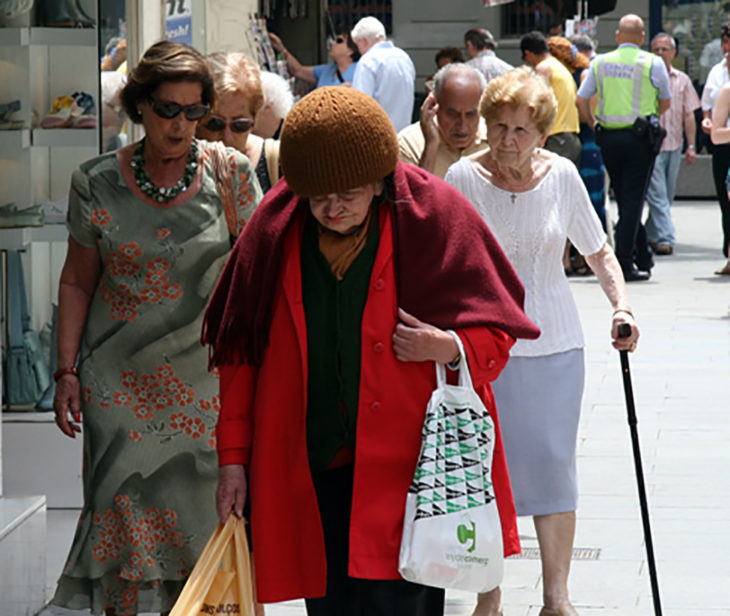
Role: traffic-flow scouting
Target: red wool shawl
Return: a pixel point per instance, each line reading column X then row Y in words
column 450, row 270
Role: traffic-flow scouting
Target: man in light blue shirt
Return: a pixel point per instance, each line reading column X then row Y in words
column 384, row 71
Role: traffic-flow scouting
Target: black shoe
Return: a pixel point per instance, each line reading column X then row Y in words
column 636, row 275
column 644, row 263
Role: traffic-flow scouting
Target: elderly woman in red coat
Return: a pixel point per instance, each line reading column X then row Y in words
column 324, row 326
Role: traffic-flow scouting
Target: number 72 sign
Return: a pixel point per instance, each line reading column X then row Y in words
column 178, row 21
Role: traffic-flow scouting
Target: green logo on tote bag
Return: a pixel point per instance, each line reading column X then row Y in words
column 466, row 534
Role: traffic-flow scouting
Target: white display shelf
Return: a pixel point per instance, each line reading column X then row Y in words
column 65, row 137
column 13, row 140
column 14, row 37
column 85, row 37
column 18, row 238
column 15, row 239
column 56, row 232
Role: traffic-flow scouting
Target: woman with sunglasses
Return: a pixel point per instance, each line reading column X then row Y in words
column 344, row 54
column 148, row 239
column 239, row 98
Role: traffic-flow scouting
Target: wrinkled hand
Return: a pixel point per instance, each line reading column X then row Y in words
column 414, row 340
column 706, row 125
column 68, row 398
column 428, row 119
column 624, row 344
column 690, row 156
column 231, row 492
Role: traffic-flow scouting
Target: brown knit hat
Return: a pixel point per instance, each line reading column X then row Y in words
column 334, row 139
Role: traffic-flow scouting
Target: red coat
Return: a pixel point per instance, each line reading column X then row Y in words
column 262, row 425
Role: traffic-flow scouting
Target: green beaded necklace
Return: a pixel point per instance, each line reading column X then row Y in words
column 163, row 194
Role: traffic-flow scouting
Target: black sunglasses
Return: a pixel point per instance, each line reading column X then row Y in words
column 169, row 110
column 239, row 125
column 340, row 39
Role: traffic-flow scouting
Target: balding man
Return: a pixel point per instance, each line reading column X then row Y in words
column 384, row 71
column 633, row 89
column 450, row 125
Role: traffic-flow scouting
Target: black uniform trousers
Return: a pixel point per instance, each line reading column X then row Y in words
column 348, row 596
column 629, row 160
column 720, row 165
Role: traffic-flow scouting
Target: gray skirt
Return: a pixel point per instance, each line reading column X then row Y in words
column 538, row 403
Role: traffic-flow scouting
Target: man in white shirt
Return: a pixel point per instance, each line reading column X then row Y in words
column 450, row 126
column 384, row 71
column 719, row 75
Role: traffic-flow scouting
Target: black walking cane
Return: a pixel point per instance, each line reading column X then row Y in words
column 624, row 331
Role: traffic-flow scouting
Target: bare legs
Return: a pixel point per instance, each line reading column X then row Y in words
column 555, row 533
column 489, row 603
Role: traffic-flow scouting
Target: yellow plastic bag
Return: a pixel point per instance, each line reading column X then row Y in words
column 220, row 583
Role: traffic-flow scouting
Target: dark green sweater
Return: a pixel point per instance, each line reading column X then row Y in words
column 333, row 311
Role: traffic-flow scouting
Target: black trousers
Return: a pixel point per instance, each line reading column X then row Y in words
column 629, row 160
column 348, row 596
column 720, row 165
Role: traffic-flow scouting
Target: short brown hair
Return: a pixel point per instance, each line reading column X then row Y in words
column 521, row 87
column 164, row 62
column 235, row 73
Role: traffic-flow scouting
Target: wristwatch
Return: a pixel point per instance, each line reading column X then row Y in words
column 690, row 147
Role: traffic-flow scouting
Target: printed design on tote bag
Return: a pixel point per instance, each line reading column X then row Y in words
column 452, row 471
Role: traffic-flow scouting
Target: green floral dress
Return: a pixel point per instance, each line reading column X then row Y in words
column 149, row 404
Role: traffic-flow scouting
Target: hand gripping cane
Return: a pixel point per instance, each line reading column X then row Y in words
column 624, row 331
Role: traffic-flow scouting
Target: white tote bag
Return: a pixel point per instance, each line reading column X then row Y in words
column 452, row 536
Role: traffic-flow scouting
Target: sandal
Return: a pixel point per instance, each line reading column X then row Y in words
column 724, row 271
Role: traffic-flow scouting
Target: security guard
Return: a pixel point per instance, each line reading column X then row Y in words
column 633, row 89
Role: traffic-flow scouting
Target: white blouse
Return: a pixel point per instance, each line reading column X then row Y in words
column 532, row 228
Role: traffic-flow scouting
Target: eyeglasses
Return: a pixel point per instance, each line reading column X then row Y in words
column 340, row 39
column 660, row 49
column 239, row 125
column 169, row 110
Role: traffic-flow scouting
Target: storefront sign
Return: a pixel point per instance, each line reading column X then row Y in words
column 178, row 21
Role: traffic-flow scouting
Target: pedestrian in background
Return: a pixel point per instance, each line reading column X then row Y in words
column 450, row 125
column 626, row 122
column 563, row 134
column 278, row 100
column 481, row 49
column 679, row 122
column 592, row 170
column 342, row 51
column 718, row 76
column 239, row 99
column 384, row 71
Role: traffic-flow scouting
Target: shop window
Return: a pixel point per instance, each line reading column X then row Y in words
column 696, row 28
column 547, row 16
column 344, row 14
column 523, row 16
